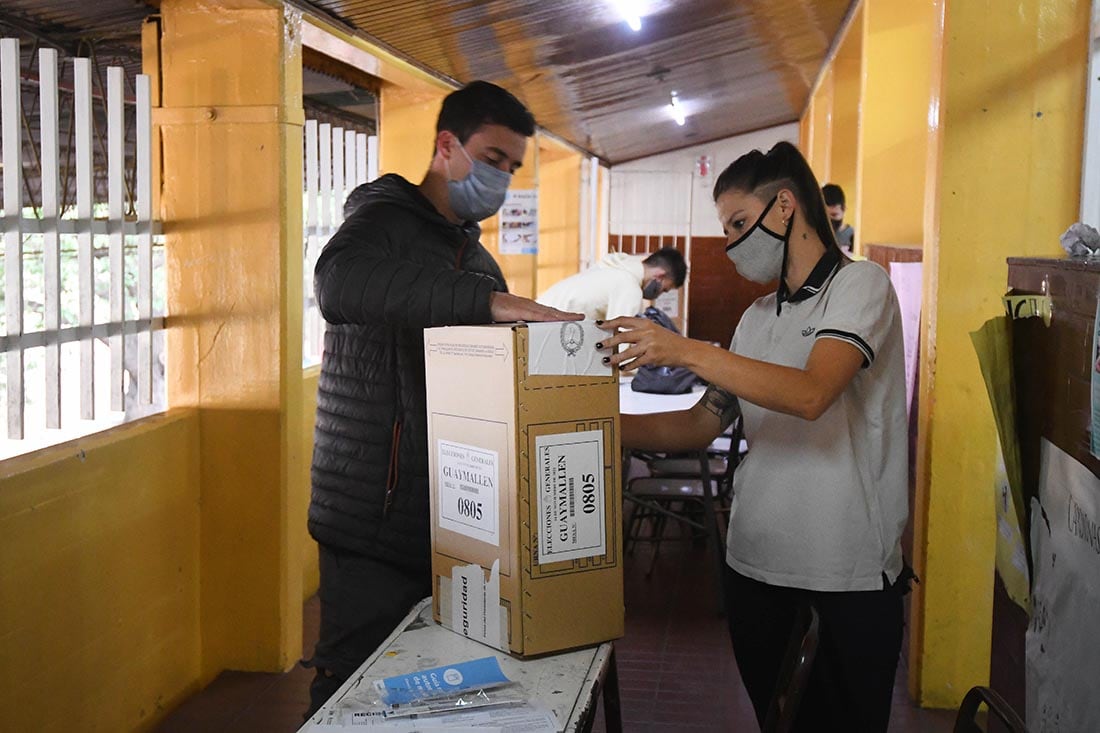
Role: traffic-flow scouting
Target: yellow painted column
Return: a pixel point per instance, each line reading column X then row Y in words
column 899, row 39
column 1006, row 183
column 231, row 202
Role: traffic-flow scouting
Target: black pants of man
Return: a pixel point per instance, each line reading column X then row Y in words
column 362, row 601
column 851, row 683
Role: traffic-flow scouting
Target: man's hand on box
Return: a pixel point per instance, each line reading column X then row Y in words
column 507, row 308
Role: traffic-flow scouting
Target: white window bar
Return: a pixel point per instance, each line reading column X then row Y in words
column 339, row 195
column 144, row 206
column 349, row 165
column 13, row 238
column 82, row 117
column 51, row 260
column 115, row 212
column 325, row 144
column 360, row 159
column 313, row 328
column 372, row 157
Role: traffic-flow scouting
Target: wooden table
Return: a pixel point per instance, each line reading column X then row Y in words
column 566, row 683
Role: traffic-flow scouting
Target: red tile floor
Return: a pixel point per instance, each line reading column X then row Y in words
column 674, row 638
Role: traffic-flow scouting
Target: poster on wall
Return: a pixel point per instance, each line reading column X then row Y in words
column 1062, row 650
column 519, row 222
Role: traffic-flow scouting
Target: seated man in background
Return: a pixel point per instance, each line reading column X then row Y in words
column 618, row 284
column 834, row 205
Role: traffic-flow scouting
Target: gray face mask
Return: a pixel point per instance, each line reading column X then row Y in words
column 652, row 289
column 480, row 194
column 760, row 253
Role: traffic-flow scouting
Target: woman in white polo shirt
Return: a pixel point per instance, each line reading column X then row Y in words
column 816, row 370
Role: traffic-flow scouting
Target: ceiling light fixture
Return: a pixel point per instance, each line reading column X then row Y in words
column 676, row 110
column 629, row 10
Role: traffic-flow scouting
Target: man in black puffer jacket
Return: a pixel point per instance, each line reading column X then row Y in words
column 406, row 258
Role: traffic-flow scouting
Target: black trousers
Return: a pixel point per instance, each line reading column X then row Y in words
column 362, row 601
column 852, row 681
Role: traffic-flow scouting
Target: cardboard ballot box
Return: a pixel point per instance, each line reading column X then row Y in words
column 524, row 459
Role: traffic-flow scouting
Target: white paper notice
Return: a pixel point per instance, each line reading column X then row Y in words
column 1062, row 646
column 475, row 604
column 566, row 348
column 571, row 496
column 908, row 281
column 469, row 490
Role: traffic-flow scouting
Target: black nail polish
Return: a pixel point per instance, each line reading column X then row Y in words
column 607, row 360
column 599, row 323
column 599, row 345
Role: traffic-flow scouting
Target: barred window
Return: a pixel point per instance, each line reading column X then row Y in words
column 82, row 262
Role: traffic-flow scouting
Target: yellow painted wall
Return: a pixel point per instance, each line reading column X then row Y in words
column 1012, row 103
column 520, row 271
column 898, row 46
column 231, row 203
column 559, row 213
column 821, row 127
column 844, row 156
column 406, row 130
column 99, row 579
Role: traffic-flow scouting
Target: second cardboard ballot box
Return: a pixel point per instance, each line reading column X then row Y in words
column 524, row 459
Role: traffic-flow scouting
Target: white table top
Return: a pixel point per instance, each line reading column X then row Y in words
column 640, row 403
column 563, row 683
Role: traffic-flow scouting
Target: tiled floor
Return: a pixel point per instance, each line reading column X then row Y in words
column 676, row 668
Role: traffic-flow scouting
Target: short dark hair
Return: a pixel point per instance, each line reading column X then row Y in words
column 763, row 175
column 483, row 103
column 672, row 261
column 834, row 194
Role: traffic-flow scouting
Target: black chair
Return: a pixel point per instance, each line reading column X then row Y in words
column 967, row 719
column 795, row 672
column 690, row 489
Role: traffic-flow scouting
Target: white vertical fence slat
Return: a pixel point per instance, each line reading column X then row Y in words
column 338, row 192
column 325, row 184
column 115, row 200
column 349, row 165
column 51, row 242
column 13, row 237
column 360, row 158
column 372, row 157
column 82, row 115
column 312, row 317
column 144, row 205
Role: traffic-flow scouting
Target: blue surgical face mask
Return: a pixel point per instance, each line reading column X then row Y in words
column 760, row 253
column 481, row 193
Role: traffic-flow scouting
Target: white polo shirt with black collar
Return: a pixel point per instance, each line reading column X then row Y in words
column 821, row 504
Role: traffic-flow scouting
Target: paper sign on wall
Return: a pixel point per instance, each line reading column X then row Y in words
column 469, row 490
column 571, row 496
column 519, row 222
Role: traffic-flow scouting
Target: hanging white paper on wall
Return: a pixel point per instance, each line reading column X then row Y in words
column 519, row 222
column 571, row 496
column 1062, row 646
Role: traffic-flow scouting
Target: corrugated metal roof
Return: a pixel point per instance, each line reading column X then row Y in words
column 736, row 66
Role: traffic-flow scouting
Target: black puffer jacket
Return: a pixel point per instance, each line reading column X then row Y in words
column 395, row 267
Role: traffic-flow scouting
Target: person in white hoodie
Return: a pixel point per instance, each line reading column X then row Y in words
column 618, row 284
